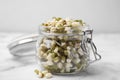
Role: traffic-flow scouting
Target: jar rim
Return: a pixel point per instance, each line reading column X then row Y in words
column 60, row 34
column 86, row 29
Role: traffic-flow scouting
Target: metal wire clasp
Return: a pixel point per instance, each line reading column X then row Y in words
column 88, row 41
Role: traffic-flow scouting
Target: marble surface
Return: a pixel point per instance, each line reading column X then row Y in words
column 108, row 68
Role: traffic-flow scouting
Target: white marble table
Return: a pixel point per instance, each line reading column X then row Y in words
column 108, row 68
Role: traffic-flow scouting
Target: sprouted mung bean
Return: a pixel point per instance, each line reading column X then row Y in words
column 60, row 25
column 62, row 54
column 43, row 74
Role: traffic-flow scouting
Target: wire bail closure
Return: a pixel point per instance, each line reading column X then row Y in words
column 88, row 40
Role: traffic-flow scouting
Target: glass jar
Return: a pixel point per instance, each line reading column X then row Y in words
column 66, row 53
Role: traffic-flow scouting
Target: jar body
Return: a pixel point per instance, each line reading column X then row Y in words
column 62, row 53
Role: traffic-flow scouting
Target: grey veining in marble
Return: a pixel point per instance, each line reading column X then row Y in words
column 108, row 68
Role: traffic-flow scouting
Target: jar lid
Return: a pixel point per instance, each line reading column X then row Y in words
column 23, row 46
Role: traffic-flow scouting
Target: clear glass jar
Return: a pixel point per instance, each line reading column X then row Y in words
column 66, row 53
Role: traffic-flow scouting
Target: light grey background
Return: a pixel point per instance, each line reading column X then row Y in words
column 26, row 15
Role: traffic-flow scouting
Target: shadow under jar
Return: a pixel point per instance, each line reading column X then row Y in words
column 66, row 53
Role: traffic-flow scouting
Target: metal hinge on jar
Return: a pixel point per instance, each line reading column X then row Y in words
column 88, row 41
